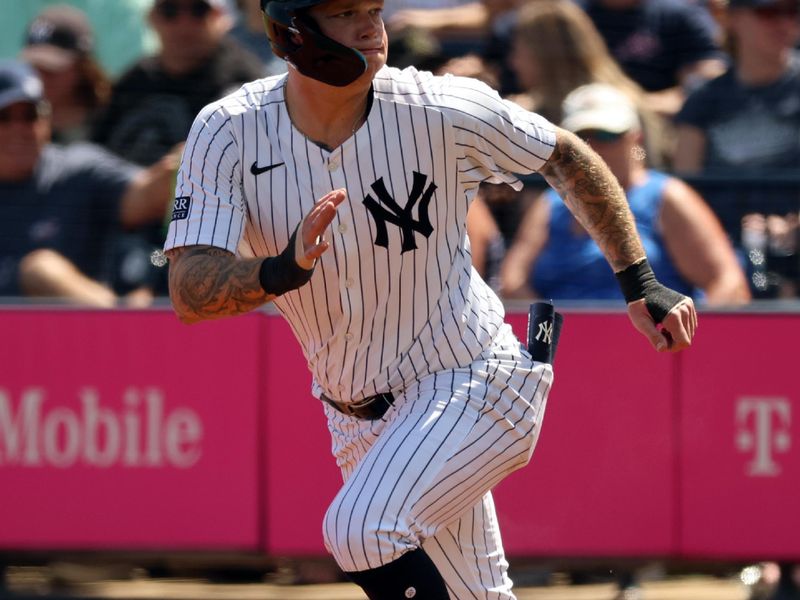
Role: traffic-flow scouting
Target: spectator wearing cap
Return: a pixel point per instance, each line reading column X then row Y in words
column 60, row 44
column 60, row 206
column 153, row 104
column 121, row 32
column 552, row 255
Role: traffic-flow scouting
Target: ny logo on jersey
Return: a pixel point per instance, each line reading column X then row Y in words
column 389, row 211
column 545, row 332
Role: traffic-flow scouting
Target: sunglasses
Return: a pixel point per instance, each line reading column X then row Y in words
column 27, row 113
column 598, row 135
column 776, row 12
column 170, row 10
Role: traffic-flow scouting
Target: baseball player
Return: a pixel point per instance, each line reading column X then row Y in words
column 339, row 192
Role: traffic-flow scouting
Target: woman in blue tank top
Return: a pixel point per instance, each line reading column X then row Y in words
column 553, row 256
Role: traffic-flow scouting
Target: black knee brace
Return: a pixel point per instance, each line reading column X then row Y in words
column 413, row 575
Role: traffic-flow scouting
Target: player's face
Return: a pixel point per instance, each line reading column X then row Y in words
column 356, row 24
column 24, row 130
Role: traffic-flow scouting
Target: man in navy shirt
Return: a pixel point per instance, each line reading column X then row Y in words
column 60, row 207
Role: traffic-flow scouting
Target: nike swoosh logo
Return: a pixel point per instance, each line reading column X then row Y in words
column 256, row 170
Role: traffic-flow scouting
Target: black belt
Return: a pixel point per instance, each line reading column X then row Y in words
column 370, row 408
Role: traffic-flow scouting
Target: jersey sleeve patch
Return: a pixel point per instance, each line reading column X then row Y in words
column 180, row 207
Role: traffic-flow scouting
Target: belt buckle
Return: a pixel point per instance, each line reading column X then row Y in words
column 361, row 408
column 370, row 408
column 363, row 403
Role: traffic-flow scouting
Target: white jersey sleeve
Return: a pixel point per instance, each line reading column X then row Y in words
column 208, row 207
column 497, row 138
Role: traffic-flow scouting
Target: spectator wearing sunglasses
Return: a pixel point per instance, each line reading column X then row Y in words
column 552, row 255
column 153, row 104
column 61, row 206
column 749, row 117
column 746, row 123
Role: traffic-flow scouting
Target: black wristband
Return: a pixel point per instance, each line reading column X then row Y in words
column 638, row 281
column 634, row 279
column 281, row 274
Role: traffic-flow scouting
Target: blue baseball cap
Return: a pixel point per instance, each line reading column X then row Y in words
column 18, row 83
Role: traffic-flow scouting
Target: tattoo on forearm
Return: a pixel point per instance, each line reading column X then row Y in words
column 596, row 199
column 208, row 283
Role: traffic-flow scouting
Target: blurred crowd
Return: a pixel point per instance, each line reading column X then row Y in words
column 694, row 104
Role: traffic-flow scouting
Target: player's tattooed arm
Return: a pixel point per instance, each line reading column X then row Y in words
column 210, row 283
column 594, row 196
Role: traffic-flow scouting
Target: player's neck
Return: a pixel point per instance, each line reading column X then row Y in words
column 325, row 114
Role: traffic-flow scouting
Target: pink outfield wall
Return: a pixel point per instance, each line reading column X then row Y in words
column 128, row 430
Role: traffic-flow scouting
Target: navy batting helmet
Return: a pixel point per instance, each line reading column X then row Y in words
column 296, row 37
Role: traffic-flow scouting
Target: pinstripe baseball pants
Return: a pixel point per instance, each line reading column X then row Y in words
column 421, row 476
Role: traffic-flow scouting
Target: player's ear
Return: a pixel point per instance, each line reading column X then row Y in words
column 296, row 38
column 280, row 36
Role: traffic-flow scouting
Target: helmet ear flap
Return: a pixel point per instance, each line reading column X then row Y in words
column 284, row 40
column 296, row 39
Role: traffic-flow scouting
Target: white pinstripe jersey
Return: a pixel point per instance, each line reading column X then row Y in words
column 395, row 296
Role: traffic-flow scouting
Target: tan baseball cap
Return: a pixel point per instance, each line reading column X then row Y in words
column 601, row 107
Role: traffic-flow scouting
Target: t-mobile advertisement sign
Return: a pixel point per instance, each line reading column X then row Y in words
column 121, row 436
column 740, row 438
column 137, row 434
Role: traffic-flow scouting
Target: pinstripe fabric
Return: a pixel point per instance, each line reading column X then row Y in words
column 394, row 305
column 372, row 318
column 469, row 554
column 428, row 464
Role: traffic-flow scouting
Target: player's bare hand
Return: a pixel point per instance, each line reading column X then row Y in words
column 674, row 333
column 310, row 242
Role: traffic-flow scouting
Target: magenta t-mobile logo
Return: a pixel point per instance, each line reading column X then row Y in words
column 763, row 430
